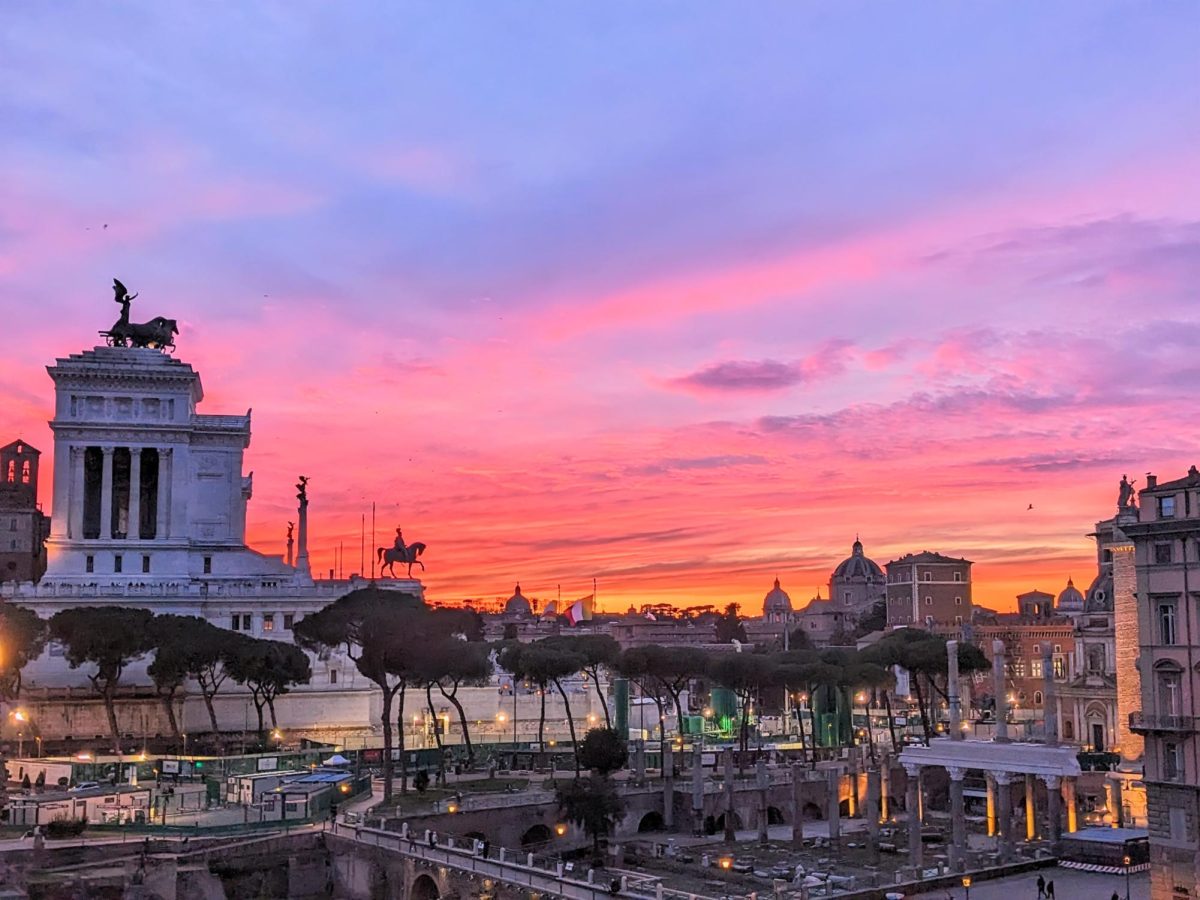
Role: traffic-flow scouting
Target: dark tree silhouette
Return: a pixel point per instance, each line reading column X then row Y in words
column 593, row 804
column 22, row 638
column 603, row 751
column 268, row 669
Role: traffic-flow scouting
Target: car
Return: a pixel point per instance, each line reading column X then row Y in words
column 84, row 786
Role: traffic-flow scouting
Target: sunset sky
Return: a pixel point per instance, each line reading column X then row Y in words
column 676, row 296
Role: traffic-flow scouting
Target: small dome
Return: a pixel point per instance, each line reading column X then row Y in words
column 777, row 601
column 1070, row 600
column 1100, row 594
column 517, row 604
column 857, row 565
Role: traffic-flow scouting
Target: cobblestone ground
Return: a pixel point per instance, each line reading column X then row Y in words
column 1068, row 885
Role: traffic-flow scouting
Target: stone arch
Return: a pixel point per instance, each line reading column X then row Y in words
column 424, row 888
column 719, row 823
column 775, row 816
column 535, row 836
column 651, row 821
column 812, row 812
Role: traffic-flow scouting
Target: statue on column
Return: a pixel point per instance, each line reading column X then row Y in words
column 301, row 493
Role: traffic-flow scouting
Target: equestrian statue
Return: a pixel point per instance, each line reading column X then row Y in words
column 401, row 553
column 158, row 333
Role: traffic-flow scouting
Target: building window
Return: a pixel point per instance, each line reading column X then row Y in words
column 1035, row 668
column 117, row 562
column 928, row 576
column 208, row 565
column 288, row 620
column 1166, row 623
column 1037, row 649
column 1166, row 507
column 958, row 576
column 145, row 564
column 333, row 673
column 1018, row 668
column 847, row 596
column 958, row 620
column 247, row 622
column 1060, row 668
column 89, row 563
column 1162, row 554
column 1172, row 761
column 268, row 621
column 1037, row 698
column 12, row 526
column 25, row 477
column 958, row 601
column 1058, row 648
column 1168, row 694
column 237, row 622
column 929, row 601
column 1178, row 824
column 929, row 620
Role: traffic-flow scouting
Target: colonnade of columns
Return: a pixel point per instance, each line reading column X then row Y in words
column 1060, row 800
column 132, row 508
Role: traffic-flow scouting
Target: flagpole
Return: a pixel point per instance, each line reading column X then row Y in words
column 362, row 546
column 372, row 540
column 595, row 604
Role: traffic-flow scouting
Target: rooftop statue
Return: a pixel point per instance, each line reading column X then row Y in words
column 158, row 333
column 401, row 553
column 1125, row 492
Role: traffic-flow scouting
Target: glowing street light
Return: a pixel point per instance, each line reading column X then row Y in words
column 725, row 862
column 966, row 883
column 560, row 829
column 1128, row 860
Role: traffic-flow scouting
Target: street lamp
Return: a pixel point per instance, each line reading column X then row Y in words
column 1128, row 860
column 966, row 883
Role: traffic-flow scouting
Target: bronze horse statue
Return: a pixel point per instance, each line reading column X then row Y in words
column 410, row 554
column 158, row 333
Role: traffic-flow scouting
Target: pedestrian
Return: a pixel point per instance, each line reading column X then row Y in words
column 1116, row 896
column 1041, row 883
column 1050, row 889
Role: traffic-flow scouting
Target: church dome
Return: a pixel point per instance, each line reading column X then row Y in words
column 777, row 602
column 1100, row 594
column 857, row 565
column 1070, row 600
column 518, row 604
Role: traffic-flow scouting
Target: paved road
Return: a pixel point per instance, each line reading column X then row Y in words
column 1069, row 884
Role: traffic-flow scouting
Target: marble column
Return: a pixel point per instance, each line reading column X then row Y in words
column 162, row 517
column 668, row 773
column 834, row 806
column 727, row 758
column 1001, row 691
column 1071, row 805
column 106, row 495
column 133, row 518
column 64, row 474
column 912, row 803
column 958, row 819
column 954, row 703
column 639, row 762
column 885, row 784
column 1049, row 699
column 1030, row 810
column 1004, row 813
column 698, row 789
column 75, row 504
column 762, row 782
column 852, row 796
column 991, row 805
column 1053, row 807
column 874, row 792
column 1112, row 796
column 797, row 805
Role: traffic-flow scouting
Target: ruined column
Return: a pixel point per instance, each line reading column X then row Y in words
column 1004, row 813
column 1072, row 806
column 852, row 783
column 874, row 790
column 1053, row 807
column 106, row 494
column 991, row 805
column 133, row 512
column 834, row 806
column 797, row 805
column 1000, row 690
column 668, row 770
column 954, row 702
column 763, row 782
column 1030, row 810
column 885, row 784
column 912, row 803
column 1049, row 699
column 727, row 758
column 958, row 819
column 1112, row 797
column 639, row 762
column 698, row 790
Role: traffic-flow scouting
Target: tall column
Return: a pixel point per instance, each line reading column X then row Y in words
column 912, row 802
column 954, row 702
column 668, row 772
column 106, row 492
column 727, row 759
column 763, row 783
column 639, row 762
column 991, row 805
column 958, row 819
column 1112, row 796
column 874, row 791
column 1053, row 807
column 162, row 517
column 852, row 795
column 1072, row 806
column 797, row 805
column 697, row 789
column 64, row 475
column 134, row 514
column 834, row 806
column 1000, row 690
column 1004, row 813
column 885, row 786
column 1030, row 810
column 75, row 503
column 1049, row 699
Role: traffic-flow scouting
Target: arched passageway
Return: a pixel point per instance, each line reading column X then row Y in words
column 651, row 821
column 719, row 824
column 537, row 836
column 775, row 816
column 424, row 888
column 812, row 812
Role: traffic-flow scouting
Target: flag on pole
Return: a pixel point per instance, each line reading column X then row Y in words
column 580, row 610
